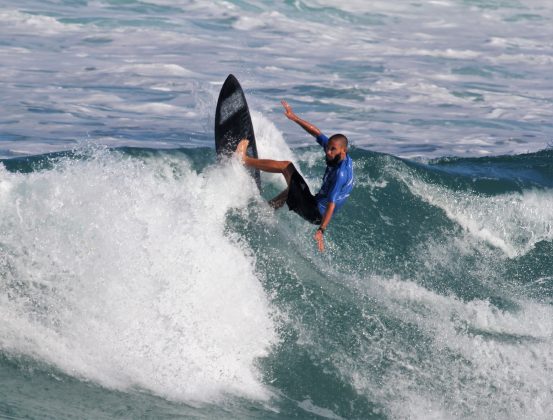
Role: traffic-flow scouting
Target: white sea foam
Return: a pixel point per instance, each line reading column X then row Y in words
column 120, row 271
column 185, row 48
column 44, row 25
column 271, row 145
column 246, row 23
column 478, row 360
column 153, row 69
column 511, row 222
column 155, row 108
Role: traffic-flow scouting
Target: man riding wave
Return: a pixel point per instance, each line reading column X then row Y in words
column 337, row 179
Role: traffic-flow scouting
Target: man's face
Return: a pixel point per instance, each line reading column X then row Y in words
column 333, row 149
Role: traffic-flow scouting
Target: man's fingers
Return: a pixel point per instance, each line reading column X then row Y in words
column 286, row 106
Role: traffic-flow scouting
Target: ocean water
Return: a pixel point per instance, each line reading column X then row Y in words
column 140, row 278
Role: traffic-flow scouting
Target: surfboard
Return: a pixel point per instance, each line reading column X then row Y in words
column 233, row 123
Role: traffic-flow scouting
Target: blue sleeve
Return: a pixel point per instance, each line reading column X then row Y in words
column 341, row 180
column 322, row 140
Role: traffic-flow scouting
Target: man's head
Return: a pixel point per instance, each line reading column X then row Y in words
column 336, row 149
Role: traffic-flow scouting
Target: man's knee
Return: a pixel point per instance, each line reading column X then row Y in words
column 289, row 168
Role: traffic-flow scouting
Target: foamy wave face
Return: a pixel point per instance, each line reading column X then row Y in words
column 119, row 271
column 454, row 359
column 512, row 222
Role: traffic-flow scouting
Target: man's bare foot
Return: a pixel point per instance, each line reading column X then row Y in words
column 278, row 201
column 241, row 149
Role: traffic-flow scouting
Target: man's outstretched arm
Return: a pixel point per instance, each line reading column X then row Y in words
column 307, row 126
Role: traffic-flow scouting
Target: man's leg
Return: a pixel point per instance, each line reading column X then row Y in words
column 284, row 167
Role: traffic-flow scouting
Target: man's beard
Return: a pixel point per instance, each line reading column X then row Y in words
column 333, row 162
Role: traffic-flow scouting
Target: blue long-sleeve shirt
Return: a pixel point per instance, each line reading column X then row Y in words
column 337, row 182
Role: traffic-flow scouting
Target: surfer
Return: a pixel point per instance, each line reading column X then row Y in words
column 337, row 180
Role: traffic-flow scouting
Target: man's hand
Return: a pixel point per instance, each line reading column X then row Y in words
column 310, row 128
column 288, row 111
column 319, row 237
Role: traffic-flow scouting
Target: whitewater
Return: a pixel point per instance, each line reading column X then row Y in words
column 141, row 278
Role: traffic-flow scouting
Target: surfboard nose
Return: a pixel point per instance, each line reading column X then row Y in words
column 233, row 122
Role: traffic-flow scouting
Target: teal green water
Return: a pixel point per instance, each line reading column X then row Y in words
column 434, row 296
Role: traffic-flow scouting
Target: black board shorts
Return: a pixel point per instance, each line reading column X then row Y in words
column 301, row 201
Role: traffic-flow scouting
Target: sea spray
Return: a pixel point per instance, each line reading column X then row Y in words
column 118, row 270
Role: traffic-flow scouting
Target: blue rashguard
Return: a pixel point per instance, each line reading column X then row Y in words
column 337, row 182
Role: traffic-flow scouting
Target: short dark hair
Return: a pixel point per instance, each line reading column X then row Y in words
column 339, row 138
